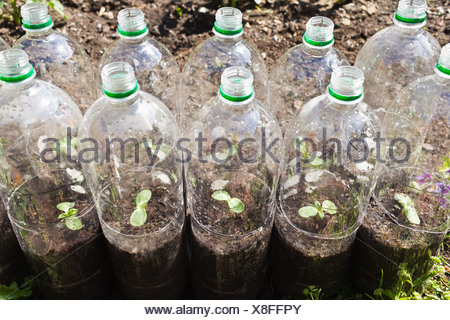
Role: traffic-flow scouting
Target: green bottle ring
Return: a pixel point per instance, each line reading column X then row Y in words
column 410, row 20
column 442, row 69
column 343, row 98
column 227, row 32
column 38, row 26
column 235, row 99
column 317, row 43
column 121, row 95
column 15, row 79
column 132, row 34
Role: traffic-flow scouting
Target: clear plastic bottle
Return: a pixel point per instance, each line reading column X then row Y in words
column 231, row 184
column 156, row 69
column 56, row 58
column 38, row 172
column 398, row 55
column 137, row 182
column 410, row 214
column 304, row 71
column 3, row 45
column 202, row 71
column 328, row 174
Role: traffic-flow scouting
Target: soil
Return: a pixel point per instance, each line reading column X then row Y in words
column 71, row 264
column 383, row 245
column 230, row 250
column 150, row 261
column 11, row 258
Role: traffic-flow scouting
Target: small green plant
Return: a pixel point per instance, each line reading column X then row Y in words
column 14, row 292
column 62, row 146
column 313, row 293
column 69, row 215
column 300, row 145
column 235, row 205
column 433, row 285
column 12, row 11
column 408, row 207
column 139, row 215
column 318, row 209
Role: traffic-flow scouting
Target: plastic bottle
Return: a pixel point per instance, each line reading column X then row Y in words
column 304, row 71
column 156, row 69
column 327, row 176
column 3, row 44
column 203, row 69
column 39, row 172
column 231, row 184
column 136, row 179
column 56, row 58
column 398, row 55
column 410, row 214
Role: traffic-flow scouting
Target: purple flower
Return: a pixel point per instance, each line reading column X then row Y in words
column 424, row 179
column 441, row 188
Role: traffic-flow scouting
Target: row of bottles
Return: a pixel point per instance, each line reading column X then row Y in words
column 126, row 158
column 390, row 60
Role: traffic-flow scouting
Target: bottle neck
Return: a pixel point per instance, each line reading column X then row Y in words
column 315, row 51
column 38, row 33
column 14, row 87
column 227, row 39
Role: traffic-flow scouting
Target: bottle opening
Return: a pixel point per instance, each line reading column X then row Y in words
column 119, row 80
column 443, row 64
column 228, row 22
column 15, row 66
column 35, row 17
column 237, row 85
column 347, row 85
column 132, row 23
column 411, row 12
column 319, row 32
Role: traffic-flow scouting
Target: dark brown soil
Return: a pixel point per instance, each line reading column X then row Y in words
column 383, row 245
column 11, row 258
column 230, row 250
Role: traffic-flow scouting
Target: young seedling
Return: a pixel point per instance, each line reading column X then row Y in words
column 408, row 207
column 318, row 209
column 236, row 205
column 139, row 215
column 69, row 215
column 300, row 145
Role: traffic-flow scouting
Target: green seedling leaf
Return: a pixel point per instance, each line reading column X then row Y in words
column 73, row 223
column 58, row 7
column 321, row 213
column 65, row 206
column 301, row 146
column 138, row 217
column 143, row 198
column 236, row 205
column 13, row 292
column 329, row 206
column 307, row 212
column 317, row 162
column 234, row 150
column 221, row 195
column 408, row 207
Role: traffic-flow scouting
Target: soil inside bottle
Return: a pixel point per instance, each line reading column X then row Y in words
column 230, row 264
column 383, row 244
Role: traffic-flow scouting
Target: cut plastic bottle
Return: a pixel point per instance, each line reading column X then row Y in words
column 304, row 71
column 56, row 58
column 398, row 55
column 204, row 67
column 231, row 184
column 410, row 212
column 137, row 182
column 328, row 173
column 39, row 172
column 156, row 69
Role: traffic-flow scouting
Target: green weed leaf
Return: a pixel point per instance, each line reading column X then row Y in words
column 73, row 223
column 221, row 195
column 236, row 205
column 143, row 198
column 138, row 217
column 307, row 212
column 65, row 206
column 408, row 207
column 329, row 206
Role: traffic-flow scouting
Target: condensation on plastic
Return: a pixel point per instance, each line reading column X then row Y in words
column 156, row 69
column 202, row 72
column 58, row 59
column 303, row 72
